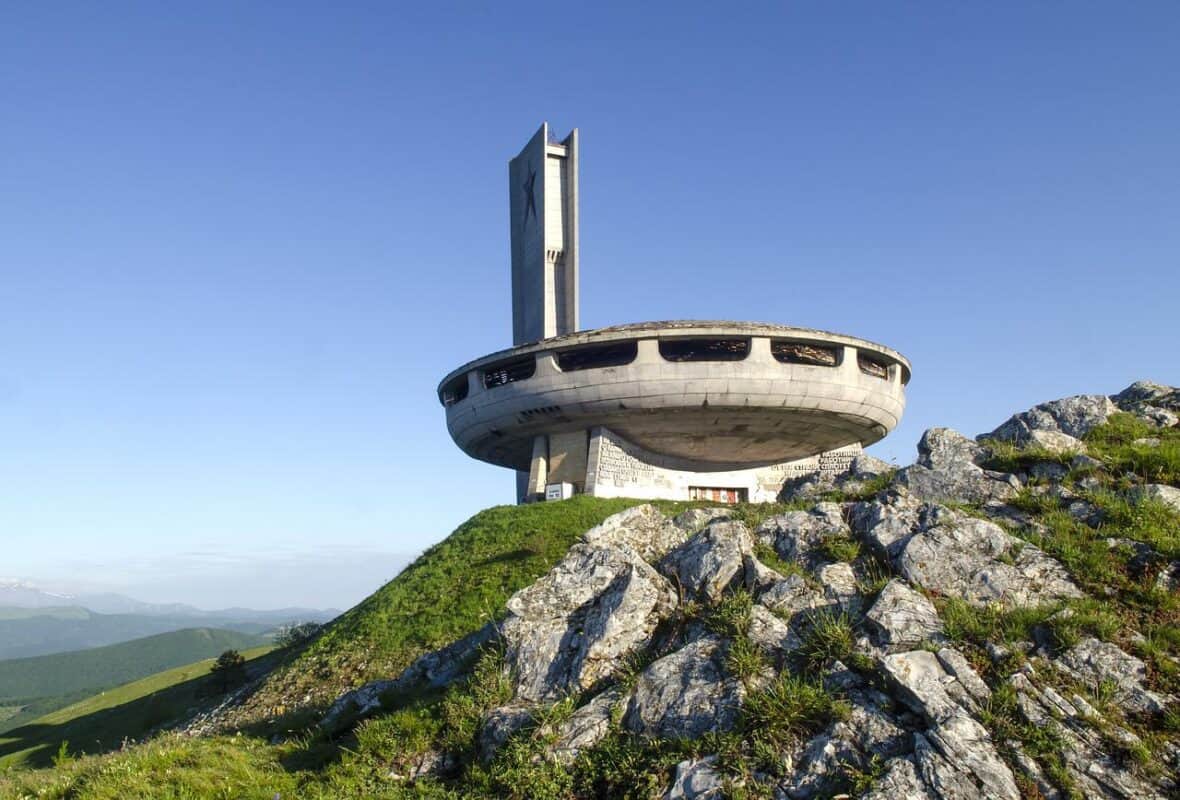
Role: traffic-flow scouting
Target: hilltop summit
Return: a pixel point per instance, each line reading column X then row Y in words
column 999, row 619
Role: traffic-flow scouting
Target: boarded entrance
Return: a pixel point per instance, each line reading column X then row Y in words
column 717, row 494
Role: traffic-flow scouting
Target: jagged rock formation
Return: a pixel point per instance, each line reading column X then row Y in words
column 938, row 639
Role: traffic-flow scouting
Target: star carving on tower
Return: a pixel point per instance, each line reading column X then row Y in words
column 530, row 200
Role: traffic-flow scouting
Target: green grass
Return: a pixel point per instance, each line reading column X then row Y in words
column 788, row 711
column 103, row 721
column 827, row 637
column 451, row 590
column 1009, row 457
column 462, row 583
column 1114, row 444
column 840, row 548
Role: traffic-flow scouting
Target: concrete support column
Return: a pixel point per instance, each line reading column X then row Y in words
column 760, row 351
column 538, row 474
column 567, row 458
column 848, row 367
column 648, row 351
column 546, row 365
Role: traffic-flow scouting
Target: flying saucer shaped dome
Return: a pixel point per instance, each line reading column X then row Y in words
column 707, row 395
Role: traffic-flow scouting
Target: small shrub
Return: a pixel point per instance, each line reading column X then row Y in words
column 840, row 548
column 827, row 638
column 229, row 670
column 788, row 711
column 743, row 659
column 731, row 616
column 770, row 558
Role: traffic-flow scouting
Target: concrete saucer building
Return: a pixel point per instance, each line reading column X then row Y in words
column 680, row 410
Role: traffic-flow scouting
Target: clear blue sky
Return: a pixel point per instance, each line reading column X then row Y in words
column 240, row 243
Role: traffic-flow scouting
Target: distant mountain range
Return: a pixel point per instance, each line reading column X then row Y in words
column 23, row 594
column 36, row 622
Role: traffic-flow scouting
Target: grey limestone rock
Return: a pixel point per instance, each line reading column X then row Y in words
column 964, row 484
column 1094, row 770
column 948, row 469
column 1168, row 579
column 696, row 780
column 641, row 528
column 870, row 732
column 710, row 562
column 888, row 522
column 1048, row 471
column 865, row 466
column 795, row 535
column 586, row 727
column 1055, row 442
column 685, row 694
column 956, row 664
column 903, row 618
column 1153, row 402
column 945, row 448
column 1092, row 661
column 1159, row 493
column 791, row 595
column 771, row 634
column 568, row 630
column 1072, row 416
column 759, row 577
column 977, row 561
column 840, row 585
column 900, row 782
column 955, row 754
column 694, row 520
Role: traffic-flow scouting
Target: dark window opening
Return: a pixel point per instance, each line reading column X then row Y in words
column 518, row 369
column 603, row 355
column 454, row 391
column 799, row 353
column 871, row 366
column 704, row 349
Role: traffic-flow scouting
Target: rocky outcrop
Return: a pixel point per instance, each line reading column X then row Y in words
column 948, row 470
column 1092, row 662
column 697, row 780
column 670, row 628
column 903, row 618
column 955, row 754
column 798, row 535
column 685, row 694
column 1158, row 493
column 977, row 561
column 570, row 629
column 1058, row 425
column 1153, row 402
column 711, row 562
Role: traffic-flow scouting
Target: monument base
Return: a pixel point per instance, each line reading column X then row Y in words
column 601, row 463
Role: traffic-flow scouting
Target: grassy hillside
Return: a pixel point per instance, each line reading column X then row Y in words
column 25, row 633
column 68, row 673
column 450, row 591
column 461, row 583
column 102, row 721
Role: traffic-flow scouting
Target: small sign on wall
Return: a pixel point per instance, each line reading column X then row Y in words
column 559, row 491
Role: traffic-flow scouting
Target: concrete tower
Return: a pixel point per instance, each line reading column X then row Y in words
column 543, row 203
column 680, row 410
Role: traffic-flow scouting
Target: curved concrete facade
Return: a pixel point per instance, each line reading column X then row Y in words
column 707, row 396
